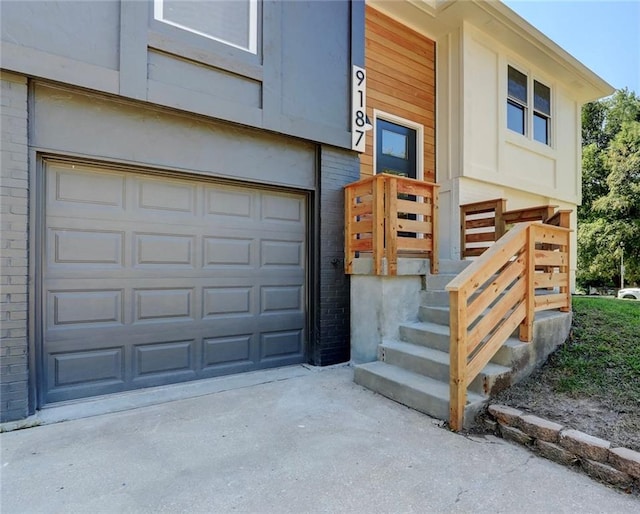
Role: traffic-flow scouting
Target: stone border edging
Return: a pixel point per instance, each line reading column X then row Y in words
column 616, row 466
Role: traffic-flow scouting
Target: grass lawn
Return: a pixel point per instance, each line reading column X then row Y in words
column 592, row 382
column 602, row 356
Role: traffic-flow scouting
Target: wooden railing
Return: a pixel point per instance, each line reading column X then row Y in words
column 497, row 293
column 483, row 223
column 386, row 216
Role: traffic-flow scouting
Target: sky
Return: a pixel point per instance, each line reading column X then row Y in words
column 602, row 34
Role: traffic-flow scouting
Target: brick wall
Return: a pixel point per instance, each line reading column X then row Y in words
column 337, row 168
column 14, row 187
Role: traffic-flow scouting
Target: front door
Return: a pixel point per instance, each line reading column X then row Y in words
column 396, row 154
column 396, row 149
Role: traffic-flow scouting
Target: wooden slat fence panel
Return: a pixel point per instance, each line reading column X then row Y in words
column 372, row 209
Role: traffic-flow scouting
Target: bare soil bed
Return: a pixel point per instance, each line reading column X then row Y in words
column 592, row 382
column 620, row 425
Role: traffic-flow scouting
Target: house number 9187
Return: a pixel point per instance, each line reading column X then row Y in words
column 358, row 108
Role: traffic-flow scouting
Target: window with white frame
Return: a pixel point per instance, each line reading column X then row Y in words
column 528, row 106
column 232, row 22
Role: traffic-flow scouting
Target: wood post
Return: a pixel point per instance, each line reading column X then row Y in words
column 501, row 228
column 566, row 290
column 457, row 359
column 463, row 232
column 526, row 327
column 435, row 235
column 349, row 254
column 378, row 192
column 391, row 217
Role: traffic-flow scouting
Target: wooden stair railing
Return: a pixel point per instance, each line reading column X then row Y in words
column 386, row 216
column 483, row 223
column 497, row 293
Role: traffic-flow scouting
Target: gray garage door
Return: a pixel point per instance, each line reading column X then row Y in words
column 149, row 280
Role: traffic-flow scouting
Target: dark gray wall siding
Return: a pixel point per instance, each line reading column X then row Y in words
column 87, row 125
column 205, row 80
column 315, row 59
column 14, row 193
column 332, row 326
column 297, row 84
column 85, row 31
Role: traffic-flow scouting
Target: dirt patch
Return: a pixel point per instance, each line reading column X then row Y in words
column 619, row 424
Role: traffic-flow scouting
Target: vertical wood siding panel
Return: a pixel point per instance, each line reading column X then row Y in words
column 400, row 67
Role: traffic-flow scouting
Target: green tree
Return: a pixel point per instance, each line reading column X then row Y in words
column 609, row 218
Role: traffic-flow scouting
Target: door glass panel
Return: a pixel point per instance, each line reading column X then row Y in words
column 394, row 144
column 396, row 147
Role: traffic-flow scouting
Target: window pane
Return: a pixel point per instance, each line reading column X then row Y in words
column 394, row 144
column 515, row 117
column 541, row 98
column 229, row 21
column 541, row 129
column 517, row 85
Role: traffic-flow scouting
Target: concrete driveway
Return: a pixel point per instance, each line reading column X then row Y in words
column 310, row 441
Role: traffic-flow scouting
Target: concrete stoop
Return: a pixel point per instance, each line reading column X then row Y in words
column 419, row 392
column 414, row 368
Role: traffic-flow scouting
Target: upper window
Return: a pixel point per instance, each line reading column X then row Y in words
column 233, row 22
column 528, row 107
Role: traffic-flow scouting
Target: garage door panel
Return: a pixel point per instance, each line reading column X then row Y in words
column 281, row 299
column 269, row 322
column 75, row 374
column 280, row 343
column 91, row 191
column 167, row 280
column 92, row 248
column 172, row 198
column 228, row 251
column 164, row 357
column 154, row 249
column 222, row 351
column 281, row 253
column 92, row 307
column 225, row 301
column 282, row 209
column 163, row 304
column 227, row 204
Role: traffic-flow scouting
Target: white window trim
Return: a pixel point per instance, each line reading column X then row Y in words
column 529, row 108
column 405, row 123
column 158, row 14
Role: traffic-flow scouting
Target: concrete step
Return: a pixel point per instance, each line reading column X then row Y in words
column 439, row 282
column 427, row 334
column 435, row 298
column 435, row 364
column 450, row 266
column 439, row 315
column 416, row 391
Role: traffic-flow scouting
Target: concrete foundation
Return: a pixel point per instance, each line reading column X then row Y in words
column 380, row 303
